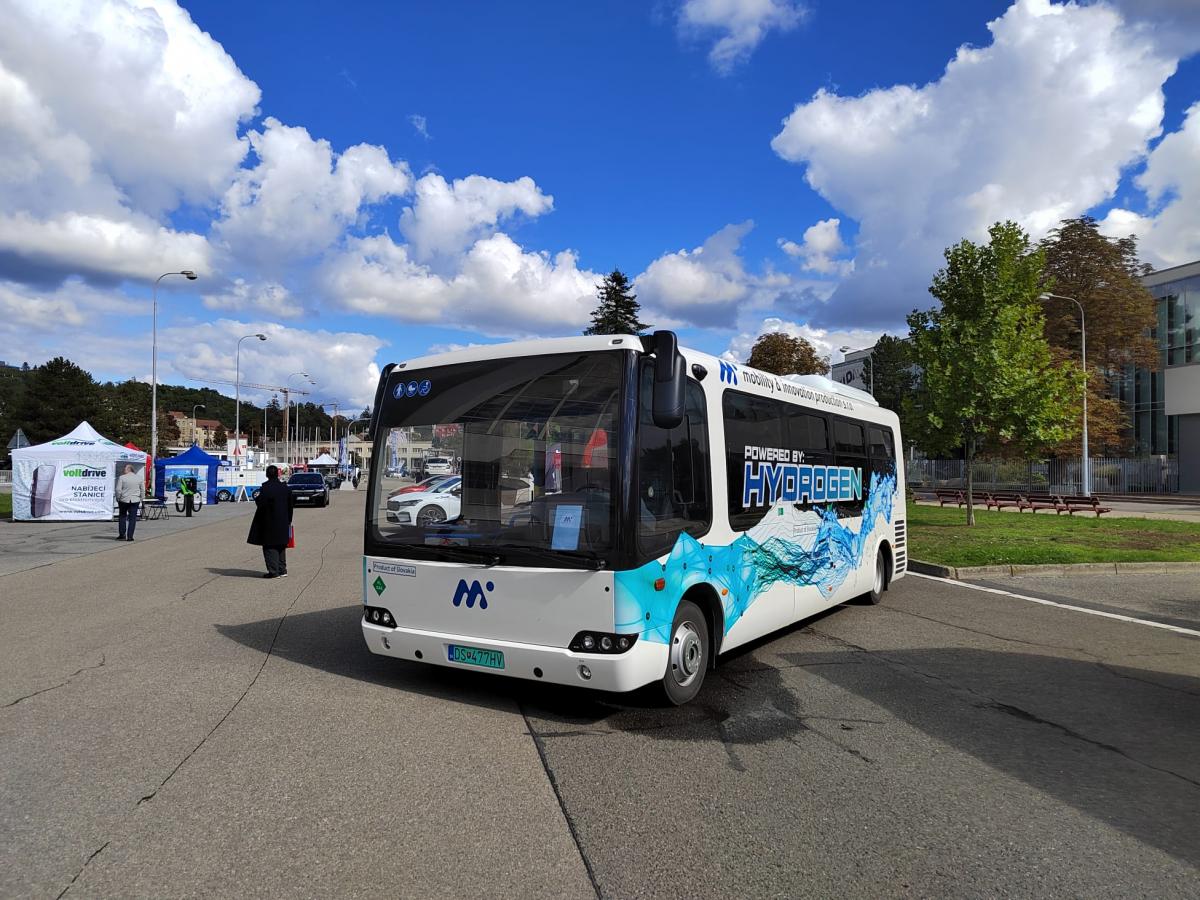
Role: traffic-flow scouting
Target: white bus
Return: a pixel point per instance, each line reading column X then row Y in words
column 625, row 511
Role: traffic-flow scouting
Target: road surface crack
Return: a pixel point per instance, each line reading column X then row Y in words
column 562, row 806
column 55, row 687
column 990, row 703
column 257, row 674
column 87, row 863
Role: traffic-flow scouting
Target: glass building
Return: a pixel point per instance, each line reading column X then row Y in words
column 1164, row 405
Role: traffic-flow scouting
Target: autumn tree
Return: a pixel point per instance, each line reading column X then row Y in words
column 786, row 354
column 987, row 372
column 618, row 309
column 1104, row 275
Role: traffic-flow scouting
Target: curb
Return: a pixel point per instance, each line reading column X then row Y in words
column 1120, row 568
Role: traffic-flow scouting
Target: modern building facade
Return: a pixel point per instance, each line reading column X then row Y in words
column 1165, row 403
column 850, row 370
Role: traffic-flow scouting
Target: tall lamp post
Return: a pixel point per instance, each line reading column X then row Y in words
column 237, row 403
column 195, row 428
column 190, row 276
column 1087, row 463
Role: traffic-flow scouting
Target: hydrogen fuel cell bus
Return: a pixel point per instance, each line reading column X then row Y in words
column 624, row 512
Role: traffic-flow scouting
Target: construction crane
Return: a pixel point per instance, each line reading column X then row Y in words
column 274, row 388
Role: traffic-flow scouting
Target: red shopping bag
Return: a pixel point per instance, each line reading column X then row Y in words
column 291, row 537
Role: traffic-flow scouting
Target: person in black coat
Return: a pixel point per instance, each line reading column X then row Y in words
column 272, row 523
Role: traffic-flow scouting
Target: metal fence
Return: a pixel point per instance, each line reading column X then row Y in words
column 1145, row 475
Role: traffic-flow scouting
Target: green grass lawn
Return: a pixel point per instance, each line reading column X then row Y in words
column 6, row 506
column 940, row 535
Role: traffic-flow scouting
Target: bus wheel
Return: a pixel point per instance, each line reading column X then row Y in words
column 878, row 579
column 688, row 655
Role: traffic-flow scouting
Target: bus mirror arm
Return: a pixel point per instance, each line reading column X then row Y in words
column 667, row 407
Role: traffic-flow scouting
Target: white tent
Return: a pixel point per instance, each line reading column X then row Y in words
column 323, row 460
column 72, row 477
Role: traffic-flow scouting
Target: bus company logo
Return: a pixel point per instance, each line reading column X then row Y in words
column 471, row 593
column 729, row 373
column 78, row 471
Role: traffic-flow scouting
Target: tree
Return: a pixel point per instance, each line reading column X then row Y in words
column 58, row 396
column 786, row 354
column 221, row 437
column 987, row 372
column 1104, row 275
column 888, row 372
column 128, row 408
column 617, row 312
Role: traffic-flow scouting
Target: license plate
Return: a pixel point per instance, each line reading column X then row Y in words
column 475, row 656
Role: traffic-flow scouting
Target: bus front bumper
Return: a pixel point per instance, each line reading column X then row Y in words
column 643, row 663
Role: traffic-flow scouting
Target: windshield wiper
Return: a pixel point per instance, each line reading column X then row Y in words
column 456, row 552
column 588, row 560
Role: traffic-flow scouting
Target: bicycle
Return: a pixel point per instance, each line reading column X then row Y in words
column 181, row 503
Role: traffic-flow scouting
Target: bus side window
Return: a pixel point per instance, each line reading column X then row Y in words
column 850, row 445
column 749, row 422
column 674, row 488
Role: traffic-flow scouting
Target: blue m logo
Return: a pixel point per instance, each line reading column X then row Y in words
column 471, row 593
column 729, row 372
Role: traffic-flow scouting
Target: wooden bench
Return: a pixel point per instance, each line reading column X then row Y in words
column 1034, row 502
column 1071, row 504
column 1002, row 499
column 958, row 498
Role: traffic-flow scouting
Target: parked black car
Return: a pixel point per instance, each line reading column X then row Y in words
column 309, row 487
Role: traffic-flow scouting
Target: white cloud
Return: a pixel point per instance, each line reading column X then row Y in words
column 742, row 25
column 269, row 297
column 820, row 248
column 704, row 285
column 110, row 115
column 827, row 343
column 420, row 125
column 342, row 363
column 1170, row 235
column 448, row 217
column 96, row 245
column 1035, row 127
column 301, row 196
column 497, row 289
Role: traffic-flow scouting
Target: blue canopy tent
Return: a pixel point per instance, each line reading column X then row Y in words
column 195, row 463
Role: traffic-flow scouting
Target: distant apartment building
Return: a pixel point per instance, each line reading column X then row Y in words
column 195, row 431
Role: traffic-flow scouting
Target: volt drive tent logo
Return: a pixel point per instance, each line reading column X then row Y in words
column 471, row 593
column 80, row 471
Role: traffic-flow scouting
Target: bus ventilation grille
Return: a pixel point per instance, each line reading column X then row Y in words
column 901, row 553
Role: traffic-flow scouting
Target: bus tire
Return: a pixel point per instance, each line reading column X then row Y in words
column 879, row 578
column 224, row 495
column 687, row 654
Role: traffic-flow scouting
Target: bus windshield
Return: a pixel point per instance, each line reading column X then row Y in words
column 530, row 448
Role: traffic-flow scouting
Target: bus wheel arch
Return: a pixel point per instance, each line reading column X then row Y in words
column 705, row 596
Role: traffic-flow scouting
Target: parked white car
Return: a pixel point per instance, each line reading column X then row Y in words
column 438, row 465
column 425, row 508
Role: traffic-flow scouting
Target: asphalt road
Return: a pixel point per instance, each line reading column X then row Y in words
column 173, row 725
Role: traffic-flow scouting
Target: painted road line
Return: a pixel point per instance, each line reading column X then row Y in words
column 1082, row 609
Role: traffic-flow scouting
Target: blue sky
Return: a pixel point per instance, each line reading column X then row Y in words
column 366, row 182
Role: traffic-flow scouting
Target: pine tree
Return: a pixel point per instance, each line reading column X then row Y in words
column 59, row 395
column 617, row 312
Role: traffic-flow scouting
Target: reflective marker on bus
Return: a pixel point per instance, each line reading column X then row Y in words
column 624, row 510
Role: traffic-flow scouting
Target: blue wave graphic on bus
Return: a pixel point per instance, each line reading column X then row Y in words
column 746, row 568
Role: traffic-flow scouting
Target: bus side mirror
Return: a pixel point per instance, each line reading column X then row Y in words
column 667, row 405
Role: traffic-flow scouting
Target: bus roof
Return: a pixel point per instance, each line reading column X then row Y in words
column 724, row 369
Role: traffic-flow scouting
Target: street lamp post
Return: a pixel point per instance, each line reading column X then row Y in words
column 190, row 276
column 237, row 403
column 1087, row 462
column 195, row 428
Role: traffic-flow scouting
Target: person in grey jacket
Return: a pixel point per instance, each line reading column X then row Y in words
column 131, row 489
